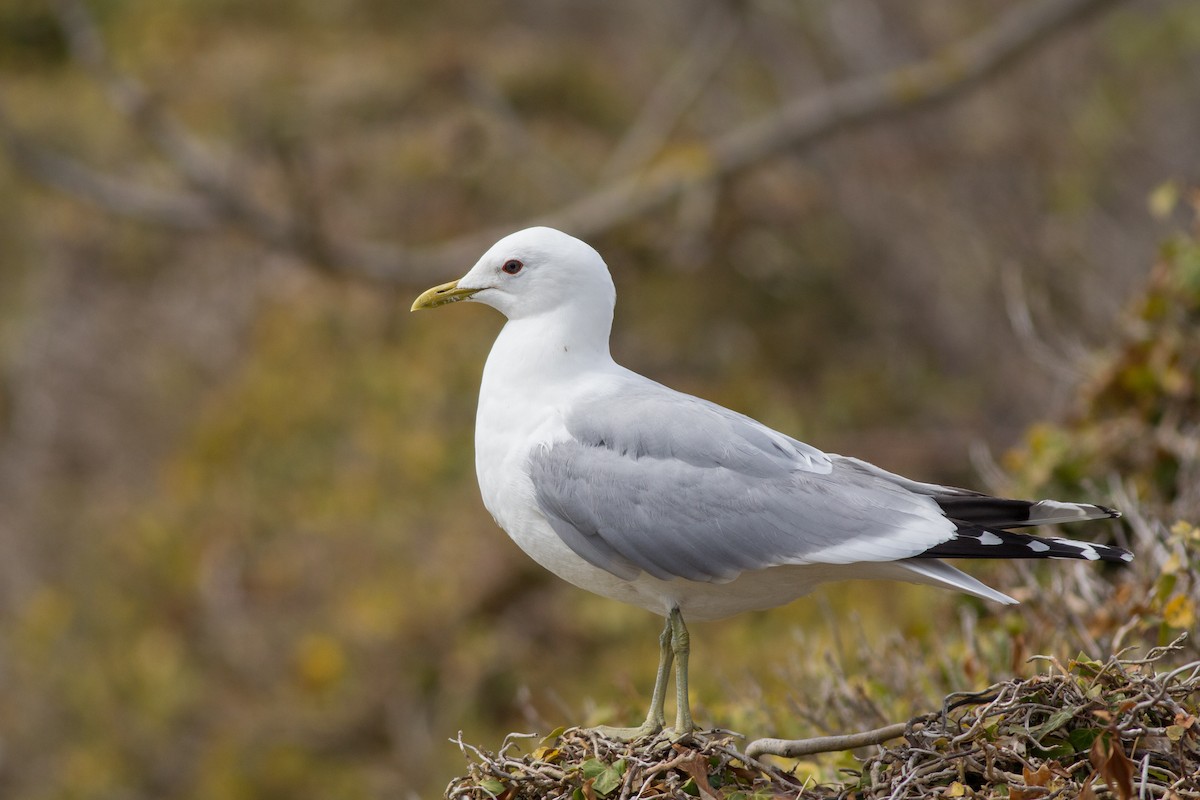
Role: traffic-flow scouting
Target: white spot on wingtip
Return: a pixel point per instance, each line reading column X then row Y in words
column 1086, row 550
column 987, row 537
column 1038, row 546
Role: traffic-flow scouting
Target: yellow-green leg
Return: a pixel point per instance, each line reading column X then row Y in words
column 681, row 647
column 656, row 718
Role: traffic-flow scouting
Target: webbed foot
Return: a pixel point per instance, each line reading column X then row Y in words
column 647, row 730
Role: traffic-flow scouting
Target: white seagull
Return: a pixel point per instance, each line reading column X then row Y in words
column 634, row 491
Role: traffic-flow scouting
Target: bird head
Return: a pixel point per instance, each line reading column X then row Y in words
column 532, row 272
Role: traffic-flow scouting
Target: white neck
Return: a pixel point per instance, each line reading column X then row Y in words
column 536, row 367
column 555, row 346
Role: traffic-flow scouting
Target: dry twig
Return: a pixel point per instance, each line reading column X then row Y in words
column 1116, row 727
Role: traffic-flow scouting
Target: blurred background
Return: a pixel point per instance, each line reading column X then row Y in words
column 242, row 552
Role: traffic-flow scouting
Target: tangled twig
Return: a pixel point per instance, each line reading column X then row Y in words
column 1112, row 729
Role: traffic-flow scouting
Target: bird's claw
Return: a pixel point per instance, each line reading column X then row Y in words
column 647, row 730
column 653, row 732
column 680, row 735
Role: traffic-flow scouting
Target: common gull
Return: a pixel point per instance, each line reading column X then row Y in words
column 627, row 488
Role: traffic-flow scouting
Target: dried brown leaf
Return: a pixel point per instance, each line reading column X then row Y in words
column 696, row 767
column 1036, row 779
column 1109, row 759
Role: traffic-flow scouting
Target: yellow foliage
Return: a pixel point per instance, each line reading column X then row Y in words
column 320, row 662
column 47, row 615
column 1180, row 612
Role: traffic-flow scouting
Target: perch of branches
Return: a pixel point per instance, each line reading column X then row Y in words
column 1120, row 728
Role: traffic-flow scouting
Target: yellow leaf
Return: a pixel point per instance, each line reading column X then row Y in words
column 1163, row 199
column 1180, row 612
column 547, row 754
column 956, row 789
column 1183, row 531
column 320, row 661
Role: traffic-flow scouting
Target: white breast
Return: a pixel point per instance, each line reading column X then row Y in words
column 527, row 382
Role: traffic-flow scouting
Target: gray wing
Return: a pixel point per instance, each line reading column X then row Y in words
column 655, row 481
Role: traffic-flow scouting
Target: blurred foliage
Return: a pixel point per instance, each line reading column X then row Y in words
column 1138, row 414
column 242, row 552
column 1137, row 427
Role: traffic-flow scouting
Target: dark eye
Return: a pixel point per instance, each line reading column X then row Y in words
column 512, row 266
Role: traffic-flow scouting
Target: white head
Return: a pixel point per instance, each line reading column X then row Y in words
column 534, row 272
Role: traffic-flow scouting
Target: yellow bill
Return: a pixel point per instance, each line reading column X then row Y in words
column 441, row 295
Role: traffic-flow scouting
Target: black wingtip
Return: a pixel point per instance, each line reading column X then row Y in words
column 972, row 541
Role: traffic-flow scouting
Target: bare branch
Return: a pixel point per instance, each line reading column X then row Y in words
column 715, row 35
column 123, row 198
column 793, row 127
column 484, row 92
column 135, row 102
column 853, row 103
column 798, row 748
column 199, row 168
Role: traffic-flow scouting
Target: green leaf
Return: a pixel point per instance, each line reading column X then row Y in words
column 492, row 786
column 554, row 734
column 1081, row 738
column 609, row 779
column 606, row 777
column 1057, row 751
column 1056, row 721
column 1164, row 586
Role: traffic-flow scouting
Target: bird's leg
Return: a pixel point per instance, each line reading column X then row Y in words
column 681, row 647
column 656, row 718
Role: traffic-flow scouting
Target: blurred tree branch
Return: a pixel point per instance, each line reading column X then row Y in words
column 717, row 31
column 212, row 197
